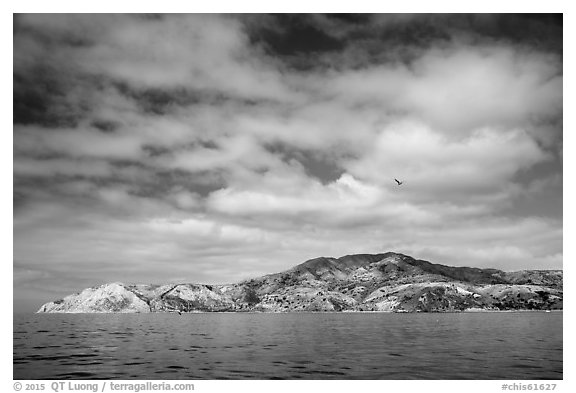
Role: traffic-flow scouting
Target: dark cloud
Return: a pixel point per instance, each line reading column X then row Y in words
column 359, row 40
column 162, row 101
column 317, row 163
column 41, row 96
column 106, row 126
column 295, row 35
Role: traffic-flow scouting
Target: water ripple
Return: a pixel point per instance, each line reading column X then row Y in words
column 289, row 346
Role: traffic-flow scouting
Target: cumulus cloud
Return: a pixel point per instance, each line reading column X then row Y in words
column 461, row 88
column 214, row 148
column 483, row 162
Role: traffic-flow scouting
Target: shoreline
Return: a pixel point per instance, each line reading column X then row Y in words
column 308, row 312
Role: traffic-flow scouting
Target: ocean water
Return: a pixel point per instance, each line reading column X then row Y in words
column 505, row 345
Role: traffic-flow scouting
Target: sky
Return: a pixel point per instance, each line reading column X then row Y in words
column 216, row 148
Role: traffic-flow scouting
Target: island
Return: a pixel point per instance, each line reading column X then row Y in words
column 387, row 282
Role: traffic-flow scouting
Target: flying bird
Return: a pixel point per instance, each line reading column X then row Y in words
column 399, row 182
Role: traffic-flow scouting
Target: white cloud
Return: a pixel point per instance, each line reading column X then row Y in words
column 204, row 52
column 77, row 142
column 431, row 162
column 461, row 88
column 34, row 167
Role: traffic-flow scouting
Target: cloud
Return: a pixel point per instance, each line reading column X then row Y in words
column 461, row 88
column 199, row 52
column 483, row 162
column 293, row 199
column 214, row 148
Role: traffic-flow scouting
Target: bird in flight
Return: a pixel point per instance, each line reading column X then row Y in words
column 399, row 182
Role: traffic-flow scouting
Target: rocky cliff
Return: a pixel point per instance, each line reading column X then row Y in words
column 382, row 282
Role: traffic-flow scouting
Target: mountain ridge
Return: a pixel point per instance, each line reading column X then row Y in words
column 388, row 281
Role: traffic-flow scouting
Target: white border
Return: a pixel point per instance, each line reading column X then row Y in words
column 231, row 6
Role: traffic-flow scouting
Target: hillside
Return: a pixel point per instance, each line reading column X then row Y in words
column 363, row 282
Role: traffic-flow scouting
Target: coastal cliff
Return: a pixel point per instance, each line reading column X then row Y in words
column 364, row 282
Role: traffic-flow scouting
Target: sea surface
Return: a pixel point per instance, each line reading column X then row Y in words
column 499, row 345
